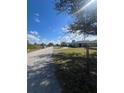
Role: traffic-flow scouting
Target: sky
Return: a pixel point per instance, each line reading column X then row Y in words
column 45, row 25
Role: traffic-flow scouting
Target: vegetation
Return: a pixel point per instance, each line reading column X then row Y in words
column 43, row 44
column 84, row 21
column 31, row 47
column 57, row 45
column 63, row 44
column 72, row 70
column 80, row 51
column 50, row 44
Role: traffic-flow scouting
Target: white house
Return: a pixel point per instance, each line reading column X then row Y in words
column 83, row 43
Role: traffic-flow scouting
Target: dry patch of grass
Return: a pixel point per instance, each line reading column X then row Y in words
column 75, row 51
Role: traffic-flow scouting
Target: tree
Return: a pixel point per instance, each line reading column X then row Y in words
column 35, row 43
column 43, row 45
column 50, row 44
column 85, row 22
column 63, row 44
column 69, row 6
column 57, row 45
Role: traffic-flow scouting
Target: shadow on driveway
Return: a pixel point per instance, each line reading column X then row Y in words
column 41, row 77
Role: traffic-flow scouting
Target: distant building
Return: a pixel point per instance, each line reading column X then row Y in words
column 83, row 43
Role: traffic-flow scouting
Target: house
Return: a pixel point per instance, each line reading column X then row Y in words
column 84, row 43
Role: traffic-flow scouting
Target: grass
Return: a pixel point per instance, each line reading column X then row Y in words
column 71, row 70
column 31, row 48
column 75, row 51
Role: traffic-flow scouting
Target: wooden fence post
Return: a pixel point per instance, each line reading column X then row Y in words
column 87, row 51
column 87, row 59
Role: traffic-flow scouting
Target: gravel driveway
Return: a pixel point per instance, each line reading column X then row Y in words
column 40, row 75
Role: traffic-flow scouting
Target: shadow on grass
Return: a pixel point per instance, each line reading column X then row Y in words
column 71, row 72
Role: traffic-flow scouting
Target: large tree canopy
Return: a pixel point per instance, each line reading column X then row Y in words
column 85, row 17
column 70, row 6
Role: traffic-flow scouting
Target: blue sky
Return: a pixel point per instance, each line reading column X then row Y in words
column 44, row 24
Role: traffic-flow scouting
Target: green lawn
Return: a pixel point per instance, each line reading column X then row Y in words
column 71, row 69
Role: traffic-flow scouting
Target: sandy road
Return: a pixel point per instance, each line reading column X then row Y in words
column 41, row 76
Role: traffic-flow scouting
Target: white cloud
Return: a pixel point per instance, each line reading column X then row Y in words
column 33, row 37
column 65, row 28
column 37, row 17
column 37, row 20
column 69, row 37
column 36, row 14
column 46, row 41
column 77, row 37
column 34, row 33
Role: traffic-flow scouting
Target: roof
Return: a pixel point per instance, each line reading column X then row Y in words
column 86, row 41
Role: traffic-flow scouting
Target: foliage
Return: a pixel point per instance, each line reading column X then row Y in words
column 63, row 44
column 50, row 44
column 31, row 47
column 84, row 22
column 86, row 26
column 69, row 6
column 57, row 45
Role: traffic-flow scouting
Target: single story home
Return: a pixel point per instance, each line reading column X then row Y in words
column 83, row 43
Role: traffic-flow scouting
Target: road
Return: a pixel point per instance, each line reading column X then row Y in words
column 41, row 72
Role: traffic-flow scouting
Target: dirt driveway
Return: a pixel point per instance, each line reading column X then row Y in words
column 40, row 72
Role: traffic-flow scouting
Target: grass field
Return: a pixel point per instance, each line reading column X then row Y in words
column 71, row 70
column 33, row 48
column 74, row 51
